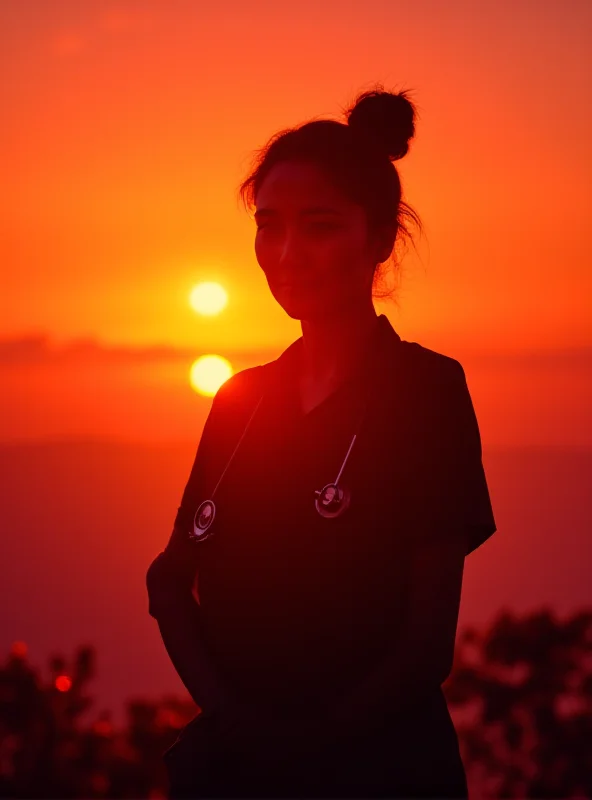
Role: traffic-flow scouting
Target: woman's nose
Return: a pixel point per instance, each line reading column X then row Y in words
column 289, row 250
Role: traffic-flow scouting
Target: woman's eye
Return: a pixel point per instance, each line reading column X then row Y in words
column 324, row 226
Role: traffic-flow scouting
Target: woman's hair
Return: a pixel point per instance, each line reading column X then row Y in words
column 357, row 156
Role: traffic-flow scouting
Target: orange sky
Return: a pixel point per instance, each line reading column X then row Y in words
column 127, row 127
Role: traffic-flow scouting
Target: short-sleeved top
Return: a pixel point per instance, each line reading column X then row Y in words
column 296, row 607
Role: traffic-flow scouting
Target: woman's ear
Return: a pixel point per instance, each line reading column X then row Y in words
column 384, row 241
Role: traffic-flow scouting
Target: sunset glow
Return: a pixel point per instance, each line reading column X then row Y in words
column 208, row 373
column 131, row 291
column 208, row 298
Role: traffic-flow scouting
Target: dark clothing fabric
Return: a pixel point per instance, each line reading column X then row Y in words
column 297, row 607
column 412, row 756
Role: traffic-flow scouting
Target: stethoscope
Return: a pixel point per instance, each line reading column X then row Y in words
column 330, row 501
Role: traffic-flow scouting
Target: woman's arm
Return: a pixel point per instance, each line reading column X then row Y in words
column 424, row 653
column 171, row 575
column 241, row 727
column 173, row 606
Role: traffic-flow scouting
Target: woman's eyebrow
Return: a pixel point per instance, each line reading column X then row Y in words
column 261, row 212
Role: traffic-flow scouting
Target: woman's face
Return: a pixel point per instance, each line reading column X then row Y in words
column 312, row 243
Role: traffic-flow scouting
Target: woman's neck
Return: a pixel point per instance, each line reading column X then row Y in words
column 333, row 346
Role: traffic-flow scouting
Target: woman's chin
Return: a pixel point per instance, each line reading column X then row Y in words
column 298, row 310
column 300, row 304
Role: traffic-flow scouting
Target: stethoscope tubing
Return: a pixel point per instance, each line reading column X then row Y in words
column 330, row 501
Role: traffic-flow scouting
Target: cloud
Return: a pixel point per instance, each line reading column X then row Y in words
column 37, row 349
column 572, row 357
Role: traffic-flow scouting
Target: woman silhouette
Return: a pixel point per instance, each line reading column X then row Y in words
column 308, row 596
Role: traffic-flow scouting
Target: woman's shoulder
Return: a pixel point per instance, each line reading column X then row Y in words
column 430, row 388
column 430, row 367
column 439, row 395
column 242, row 383
column 253, row 381
column 424, row 370
column 243, row 388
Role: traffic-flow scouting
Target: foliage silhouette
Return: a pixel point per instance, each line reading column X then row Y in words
column 520, row 693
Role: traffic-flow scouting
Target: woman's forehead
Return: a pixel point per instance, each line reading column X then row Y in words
column 299, row 185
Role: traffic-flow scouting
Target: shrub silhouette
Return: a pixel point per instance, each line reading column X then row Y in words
column 46, row 750
column 520, row 693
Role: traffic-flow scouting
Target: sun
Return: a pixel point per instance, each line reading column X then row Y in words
column 208, row 298
column 208, row 373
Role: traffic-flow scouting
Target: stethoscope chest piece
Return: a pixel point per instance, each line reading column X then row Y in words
column 202, row 521
column 332, row 500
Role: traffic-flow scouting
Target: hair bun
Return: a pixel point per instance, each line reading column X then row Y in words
column 385, row 119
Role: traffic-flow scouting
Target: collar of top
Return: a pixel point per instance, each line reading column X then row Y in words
column 371, row 361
